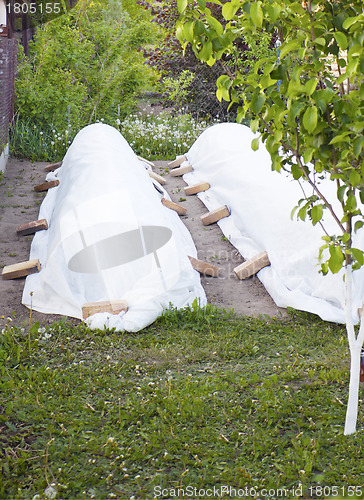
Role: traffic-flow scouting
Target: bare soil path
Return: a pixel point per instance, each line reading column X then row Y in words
column 19, row 203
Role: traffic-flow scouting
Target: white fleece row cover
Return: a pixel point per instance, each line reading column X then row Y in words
column 261, row 201
column 110, row 238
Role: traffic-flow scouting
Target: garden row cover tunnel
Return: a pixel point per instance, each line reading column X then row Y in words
column 110, row 238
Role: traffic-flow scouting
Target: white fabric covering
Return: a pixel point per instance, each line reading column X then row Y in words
column 110, row 238
column 261, row 201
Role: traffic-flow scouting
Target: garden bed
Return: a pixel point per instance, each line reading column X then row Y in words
column 20, row 204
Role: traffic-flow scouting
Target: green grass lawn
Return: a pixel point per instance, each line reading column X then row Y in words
column 199, row 400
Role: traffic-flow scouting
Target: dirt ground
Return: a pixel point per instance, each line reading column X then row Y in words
column 19, row 203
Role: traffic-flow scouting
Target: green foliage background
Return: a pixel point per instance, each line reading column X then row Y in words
column 85, row 65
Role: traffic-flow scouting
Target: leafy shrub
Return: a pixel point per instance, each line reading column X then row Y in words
column 199, row 95
column 84, row 65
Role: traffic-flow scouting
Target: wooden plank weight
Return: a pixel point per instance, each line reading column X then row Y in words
column 215, row 215
column 151, row 164
column 113, row 307
column 181, row 170
column 52, row 166
column 157, row 177
column 32, row 227
column 204, row 267
column 197, row 188
column 21, row 269
column 177, row 162
column 46, row 185
column 174, row 206
column 252, row 266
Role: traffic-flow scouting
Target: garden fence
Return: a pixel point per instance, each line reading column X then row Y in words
column 7, row 76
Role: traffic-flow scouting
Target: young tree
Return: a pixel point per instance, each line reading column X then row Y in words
column 307, row 102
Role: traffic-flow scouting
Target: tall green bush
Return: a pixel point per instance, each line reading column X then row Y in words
column 85, row 65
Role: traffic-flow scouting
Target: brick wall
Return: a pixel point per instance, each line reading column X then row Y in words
column 7, row 75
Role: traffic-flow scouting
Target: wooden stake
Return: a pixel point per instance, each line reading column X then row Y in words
column 181, row 170
column 157, row 177
column 46, row 185
column 215, row 215
column 174, row 206
column 113, row 307
column 32, row 227
column 204, row 267
column 52, row 166
column 252, row 266
column 21, row 269
column 197, row 188
column 146, row 161
column 177, row 162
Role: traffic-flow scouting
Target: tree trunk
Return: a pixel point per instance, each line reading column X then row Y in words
column 355, row 344
column 352, row 408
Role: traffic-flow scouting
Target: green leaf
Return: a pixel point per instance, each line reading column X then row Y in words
column 182, row 5
column 229, row 10
column 206, row 51
column 316, row 213
column 294, row 111
column 255, row 144
column 358, row 255
column 256, row 14
column 289, row 47
column 358, row 146
column 349, row 22
column 341, row 192
column 351, row 205
column 361, row 195
column 339, row 138
column 307, row 155
column 296, row 171
column 355, row 178
column 257, row 102
column 310, row 86
column 336, row 259
column 254, row 125
column 358, row 224
column 320, row 41
column 215, row 24
column 223, row 85
column 341, row 40
column 188, row 31
column 273, row 11
column 302, row 212
column 310, row 119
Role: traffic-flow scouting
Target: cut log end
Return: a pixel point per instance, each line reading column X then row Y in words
column 176, row 172
column 46, row 185
column 174, row 206
column 21, row 269
column 204, row 268
column 252, row 266
column 177, row 162
column 215, row 215
column 197, row 188
column 32, row 227
column 113, row 307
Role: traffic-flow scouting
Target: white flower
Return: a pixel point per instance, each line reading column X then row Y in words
column 50, row 492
